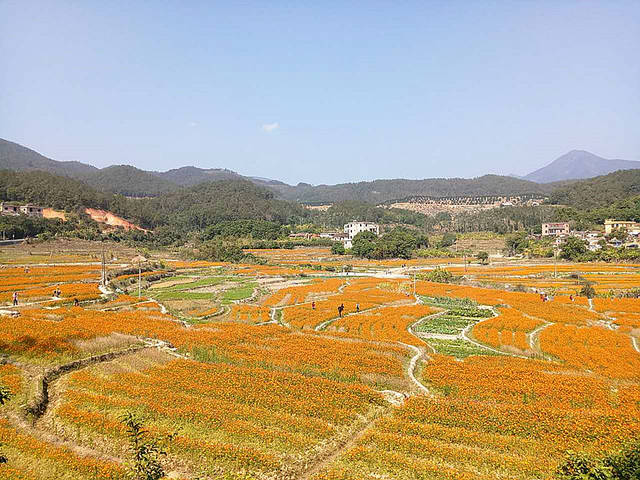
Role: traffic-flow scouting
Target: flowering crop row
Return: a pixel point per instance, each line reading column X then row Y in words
column 499, row 417
column 51, row 334
column 261, row 418
column 249, row 313
column 31, row 458
column 387, row 324
column 11, row 377
column 82, row 291
column 300, row 294
column 595, row 348
column 509, row 328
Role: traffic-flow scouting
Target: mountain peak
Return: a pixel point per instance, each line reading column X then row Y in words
column 578, row 164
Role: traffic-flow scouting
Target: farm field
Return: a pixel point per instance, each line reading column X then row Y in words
column 292, row 370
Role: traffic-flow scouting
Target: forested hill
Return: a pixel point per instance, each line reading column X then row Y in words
column 48, row 190
column 134, row 182
column 379, row 191
column 599, row 191
column 129, row 181
column 209, row 203
column 16, row 157
column 186, row 209
column 189, row 176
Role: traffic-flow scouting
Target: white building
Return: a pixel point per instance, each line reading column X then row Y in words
column 354, row 228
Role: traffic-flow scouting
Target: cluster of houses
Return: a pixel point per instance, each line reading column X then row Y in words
column 14, row 209
column 595, row 239
column 350, row 230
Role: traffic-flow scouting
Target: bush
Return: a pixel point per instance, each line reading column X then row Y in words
column 439, row 275
column 623, row 464
column 5, row 394
column 337, row 248
column 587, row 290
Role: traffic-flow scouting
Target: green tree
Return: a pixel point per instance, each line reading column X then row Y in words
column 625, row 463
column 580, row 466
column 483, row 257
column 516, row 243
column 5, row 396
column 587, row 290
column 398, row 243
column 618, row 234
column 364, row 244
column 337, row 248
column 448, row 239
column 439, row 275
column 146, row 452
column 573, row 248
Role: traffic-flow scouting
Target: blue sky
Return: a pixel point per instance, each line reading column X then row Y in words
column 322, row 92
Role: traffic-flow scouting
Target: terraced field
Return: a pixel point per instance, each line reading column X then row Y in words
column 253, row 372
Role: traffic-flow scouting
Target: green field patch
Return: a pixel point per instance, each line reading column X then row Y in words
column 446, row 324
column 458, row 348
column 241, row 292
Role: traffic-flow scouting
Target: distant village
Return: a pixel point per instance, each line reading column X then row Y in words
column 559, row 231
column 630, row 231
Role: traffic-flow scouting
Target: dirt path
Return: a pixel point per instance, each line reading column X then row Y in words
column 324, row 460
column 413, row 363
column 37, row 407
column 634, row 342
column 533, row 337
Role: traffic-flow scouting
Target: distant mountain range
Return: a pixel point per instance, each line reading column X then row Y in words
column 131, row 181
column 577, row 165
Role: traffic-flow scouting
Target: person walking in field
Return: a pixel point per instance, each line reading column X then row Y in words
column 340, row 309
column 357, row 307
column 76, row 302
column 313, row 305
column 15, row 298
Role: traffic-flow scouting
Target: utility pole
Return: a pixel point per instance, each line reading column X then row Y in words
column 103, row 270
column 414, row 284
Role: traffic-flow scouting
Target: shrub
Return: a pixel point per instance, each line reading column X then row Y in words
column 439, row 275
column 587, row 290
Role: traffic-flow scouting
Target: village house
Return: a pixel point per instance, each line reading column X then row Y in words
column 555, row 229
column 354, row 228
column 31, row 210
column 9, row 208
column 610, row 225
column 14, row 209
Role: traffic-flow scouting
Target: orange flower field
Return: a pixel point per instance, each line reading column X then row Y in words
column 279, row 385
column 509, row 328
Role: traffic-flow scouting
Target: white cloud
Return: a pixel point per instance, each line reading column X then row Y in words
column 193, row 124
column 270, row 127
